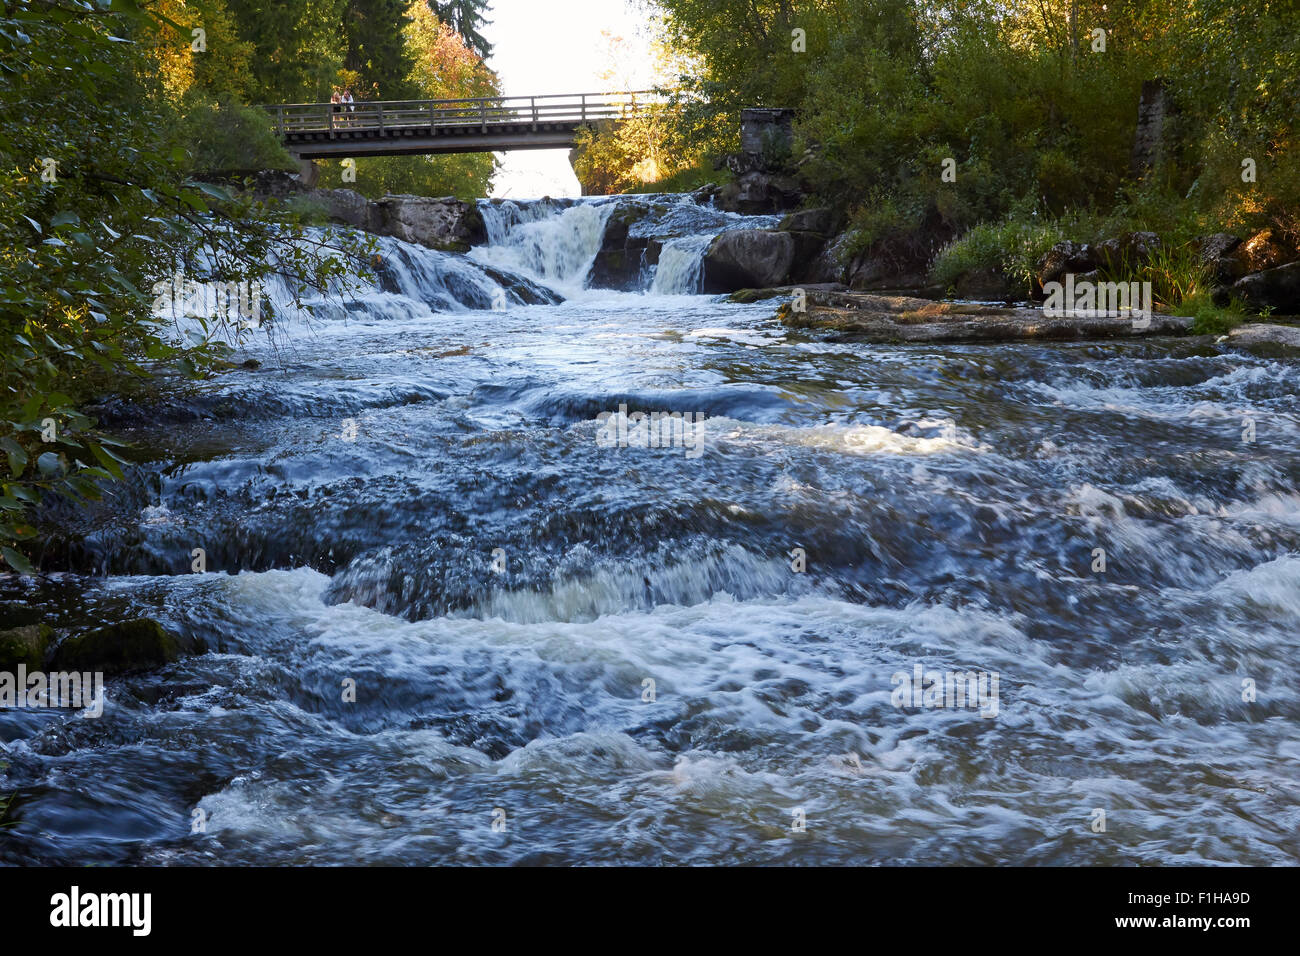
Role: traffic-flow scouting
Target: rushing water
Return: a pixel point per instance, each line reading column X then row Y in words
column 947, row 501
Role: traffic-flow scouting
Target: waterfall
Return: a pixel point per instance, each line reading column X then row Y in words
column 531, row 239
column 680, row 261
column 537, row 252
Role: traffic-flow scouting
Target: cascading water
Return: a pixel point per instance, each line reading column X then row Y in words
column 680, row 261
column 557, row 242
column 413, row 493
column 556, row 248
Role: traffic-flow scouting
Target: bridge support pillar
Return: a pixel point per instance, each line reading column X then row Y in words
column 308, row 172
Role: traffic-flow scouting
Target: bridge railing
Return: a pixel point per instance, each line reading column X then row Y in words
column 380, row 115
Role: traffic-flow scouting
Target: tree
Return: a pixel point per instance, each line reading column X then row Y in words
column 97, row 205
column 298, row 47
column 467, row 18
column 442, row 67
column 376, row 47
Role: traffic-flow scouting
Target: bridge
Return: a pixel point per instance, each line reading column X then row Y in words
column 407, row 127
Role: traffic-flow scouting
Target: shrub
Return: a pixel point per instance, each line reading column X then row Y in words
column 1012, row 247
column 226, row 137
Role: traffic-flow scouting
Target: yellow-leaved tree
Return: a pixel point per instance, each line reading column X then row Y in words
column 444, row 68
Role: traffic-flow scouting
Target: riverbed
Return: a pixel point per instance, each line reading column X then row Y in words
column 565, row 652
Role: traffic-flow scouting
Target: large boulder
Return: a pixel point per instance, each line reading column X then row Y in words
column 705, row 194
column 759, row 193
column 1277, row 289
column 1216, row 253
column 829, row 265
column 1118, row 256
column 138, row 644
column 746, row 259
column 819, row 221
column 879, row 318
column 622, row 254
column 874, row 272
column 345, row 206
column 988, row 285
column 807, row 247
column 24, row 645
column 1261, row 333
column 1066, row 257
column 1263, row 250
column 448, row 224
column 869, row 272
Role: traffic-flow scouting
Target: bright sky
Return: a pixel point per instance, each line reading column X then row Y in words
column 555, row 46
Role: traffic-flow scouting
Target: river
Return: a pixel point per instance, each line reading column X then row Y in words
column 565, row 652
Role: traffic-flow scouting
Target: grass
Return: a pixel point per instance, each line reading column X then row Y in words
column 1210, row 319
column 1010, row 247
column 1177, row 276
column 1181, row 283
column 1179, row 280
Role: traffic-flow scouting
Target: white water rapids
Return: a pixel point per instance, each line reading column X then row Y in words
column 645, row 657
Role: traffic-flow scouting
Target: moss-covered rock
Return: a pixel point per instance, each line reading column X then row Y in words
column 24, row 645
column 138, row 644
column 745, row 296
column 820, row 221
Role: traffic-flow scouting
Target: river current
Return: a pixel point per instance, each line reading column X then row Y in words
column 570, row 652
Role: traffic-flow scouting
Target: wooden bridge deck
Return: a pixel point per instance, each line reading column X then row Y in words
column 406, row 127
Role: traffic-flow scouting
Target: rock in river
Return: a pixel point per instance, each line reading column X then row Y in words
column 748, row 258
column 133, row 645
column 880, row 318
column 24, row 645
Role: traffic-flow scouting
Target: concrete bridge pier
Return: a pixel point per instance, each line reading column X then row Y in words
column 308, row 171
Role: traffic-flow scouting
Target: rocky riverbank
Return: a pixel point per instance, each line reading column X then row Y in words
column 444, row 223
column 868, row 317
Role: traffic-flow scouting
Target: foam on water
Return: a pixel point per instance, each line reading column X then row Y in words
column 556, row 250
column 859, row 510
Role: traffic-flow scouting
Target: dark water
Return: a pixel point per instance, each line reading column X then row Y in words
column 948, row 501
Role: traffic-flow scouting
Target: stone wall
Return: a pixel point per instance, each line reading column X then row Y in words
column 766, row 134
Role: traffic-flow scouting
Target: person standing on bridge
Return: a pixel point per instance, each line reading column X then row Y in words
column 336, row 100
column 347, row 104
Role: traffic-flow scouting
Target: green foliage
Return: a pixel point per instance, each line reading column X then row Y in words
column 299, row 48
column 376, row 48
column 97, row 205
column 1178, row 277
column 1012, row 247
column 683, row 181
column 1209, row 319
column 1014, row 93
column 467, row 18
column 225, row 136
column 441, row 67
column 634, row 154
column 463, row 175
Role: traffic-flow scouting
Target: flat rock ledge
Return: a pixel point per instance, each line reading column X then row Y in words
column 886, row 318
column 1264, row 333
